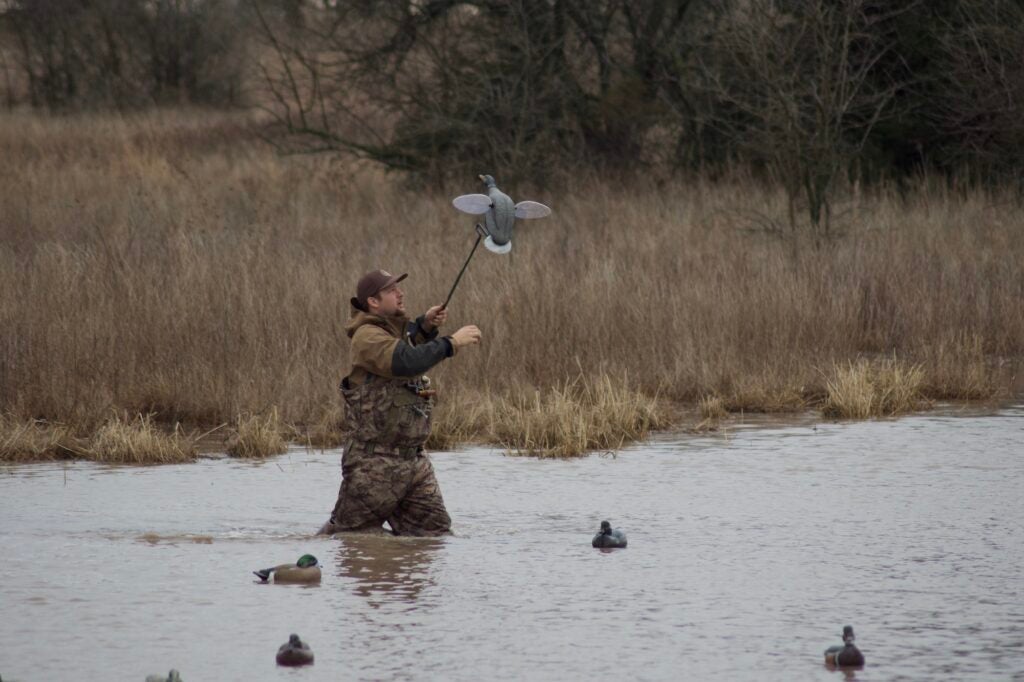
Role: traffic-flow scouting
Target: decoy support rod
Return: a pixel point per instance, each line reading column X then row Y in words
column 479, row 235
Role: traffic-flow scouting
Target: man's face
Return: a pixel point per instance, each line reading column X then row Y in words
column 389, row 301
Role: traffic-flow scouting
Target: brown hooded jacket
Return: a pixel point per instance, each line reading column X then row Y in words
column 392, row 347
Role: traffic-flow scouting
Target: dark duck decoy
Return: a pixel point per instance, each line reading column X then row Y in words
column 172, row 676
column 608, row 537
column 847, row 655
column 294, row 652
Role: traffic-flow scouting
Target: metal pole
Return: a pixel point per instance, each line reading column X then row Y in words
column 479, row 236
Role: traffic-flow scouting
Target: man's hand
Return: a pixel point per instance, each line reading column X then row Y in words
column 434, row 318
column 466, row 336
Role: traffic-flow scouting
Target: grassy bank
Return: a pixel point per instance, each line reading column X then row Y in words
column 173, row 266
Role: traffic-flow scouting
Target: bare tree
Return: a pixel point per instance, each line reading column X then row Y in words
column 976, row 98
column 440, row 87
column 795, row 88
column 100, row 53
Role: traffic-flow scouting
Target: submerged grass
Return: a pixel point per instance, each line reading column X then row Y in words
column 172, row 266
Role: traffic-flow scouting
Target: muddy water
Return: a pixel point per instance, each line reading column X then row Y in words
column 748, row 552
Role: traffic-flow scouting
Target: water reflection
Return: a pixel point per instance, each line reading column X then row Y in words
column 387, row 569
column 849, row 673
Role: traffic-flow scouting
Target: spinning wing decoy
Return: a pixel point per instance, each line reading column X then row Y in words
column 499, row 213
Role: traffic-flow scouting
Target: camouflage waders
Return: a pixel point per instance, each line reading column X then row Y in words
column 386, row 476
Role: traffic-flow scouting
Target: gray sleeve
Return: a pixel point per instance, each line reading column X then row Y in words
column 409, row 360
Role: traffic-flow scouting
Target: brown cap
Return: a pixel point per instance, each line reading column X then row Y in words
column 371, row 283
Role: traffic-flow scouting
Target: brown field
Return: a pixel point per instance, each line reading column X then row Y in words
column 173, row 265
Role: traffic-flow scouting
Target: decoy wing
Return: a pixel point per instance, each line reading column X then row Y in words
column 530, row 209
column 474, row 204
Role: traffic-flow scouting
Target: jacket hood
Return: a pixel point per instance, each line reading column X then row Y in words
column 357, row 318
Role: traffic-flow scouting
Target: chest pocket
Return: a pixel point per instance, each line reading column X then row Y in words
column 409, row 418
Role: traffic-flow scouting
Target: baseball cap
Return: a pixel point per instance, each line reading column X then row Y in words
column 371, row 283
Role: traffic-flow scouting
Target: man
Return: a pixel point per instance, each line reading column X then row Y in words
column 386, row 476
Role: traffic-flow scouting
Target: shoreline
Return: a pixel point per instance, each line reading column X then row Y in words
column 215, row 443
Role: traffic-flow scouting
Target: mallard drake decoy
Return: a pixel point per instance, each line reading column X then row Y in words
column 500, row 212
column 172, row 676
column 294, row 652
column 846, row 655
column 305, row 570
column 608, row 537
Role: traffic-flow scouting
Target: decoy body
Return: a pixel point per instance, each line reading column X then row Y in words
column 846, row 655
column 499, row 213
column 608, row 537
column 294, row 652
column 172, row 676
column 305, row 570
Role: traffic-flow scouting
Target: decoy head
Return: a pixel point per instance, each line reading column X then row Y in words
column 306, row 561
column 848, row 634
column 294, row 641
column 488, row 180
column 606, row 528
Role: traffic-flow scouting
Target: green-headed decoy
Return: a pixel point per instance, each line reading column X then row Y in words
column 305, row 570
column 608, row 537
column 294, row 652
column 500, row 213
column 847, row 655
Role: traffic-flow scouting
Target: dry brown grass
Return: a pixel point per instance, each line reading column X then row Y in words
column 877, row 388
column 171, row 265
column 712, row 407
column 258, row 436
column 138, row 440
column 573, row 418
column 34, row 440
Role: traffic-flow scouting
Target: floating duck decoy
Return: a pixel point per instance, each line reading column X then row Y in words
column 608, row 537
column 499, row 213
column 294, row 652
column 305, row 570
column 846, row 655
column 172, row 676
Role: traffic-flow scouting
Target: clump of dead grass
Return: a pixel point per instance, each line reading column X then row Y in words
column 578, row 416
column 865, row 389
column 138, row 440
column 712, row 407
column 257, row 436
column 34, row 440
